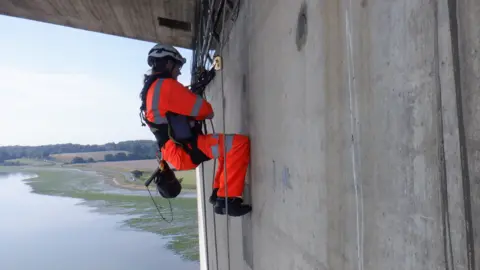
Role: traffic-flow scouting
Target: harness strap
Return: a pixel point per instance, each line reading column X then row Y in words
column 185, row 136
column 178, row 127
column 196, row 155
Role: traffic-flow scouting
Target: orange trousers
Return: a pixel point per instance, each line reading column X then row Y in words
column 238, row 157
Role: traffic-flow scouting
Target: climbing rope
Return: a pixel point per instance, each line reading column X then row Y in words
column 158, row 210
column 214, row 218
column 204, row 50
column 147, row 183
column 199, row 61
column 224, row 135
column 203, row 55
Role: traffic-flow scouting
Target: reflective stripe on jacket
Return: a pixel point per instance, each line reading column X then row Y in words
column 170, row 95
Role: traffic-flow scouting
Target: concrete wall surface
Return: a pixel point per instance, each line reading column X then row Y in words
column 365, row 134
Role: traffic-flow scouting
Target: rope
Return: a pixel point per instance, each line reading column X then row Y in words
column 205, row 223
column 214, row 217
column 235, row 10
column 202, row 55
column 199, row 60
column 203, row 49
column 224, row 133
column 196, row 58
column 158, row 210
column 205, row 201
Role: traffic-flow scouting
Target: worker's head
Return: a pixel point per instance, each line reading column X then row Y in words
column 165, row 59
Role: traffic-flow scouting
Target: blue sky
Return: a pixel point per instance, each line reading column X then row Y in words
column 64, row 85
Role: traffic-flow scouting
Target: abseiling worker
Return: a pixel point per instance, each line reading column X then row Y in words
column 163, row 95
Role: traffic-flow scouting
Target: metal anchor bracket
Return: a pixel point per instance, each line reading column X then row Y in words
column 217, row 62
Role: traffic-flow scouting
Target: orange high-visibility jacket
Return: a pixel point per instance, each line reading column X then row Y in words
column 169, row 95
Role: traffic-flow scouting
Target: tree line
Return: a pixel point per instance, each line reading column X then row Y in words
column 138, row 149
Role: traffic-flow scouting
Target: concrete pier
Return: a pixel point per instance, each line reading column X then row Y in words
column 362, row 118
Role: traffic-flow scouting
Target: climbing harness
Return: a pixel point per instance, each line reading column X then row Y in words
column 181, row 129
column 185, row 136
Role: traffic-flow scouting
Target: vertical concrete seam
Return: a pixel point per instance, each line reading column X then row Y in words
column 452, row 12
column 353, row 115
column 446, row 230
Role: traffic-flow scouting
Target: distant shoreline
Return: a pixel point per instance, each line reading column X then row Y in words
column 118, row 173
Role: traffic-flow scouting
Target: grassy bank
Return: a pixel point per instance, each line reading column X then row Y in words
column 30, row 162
column 119, row 172
column 97, row 156
column 89, row 186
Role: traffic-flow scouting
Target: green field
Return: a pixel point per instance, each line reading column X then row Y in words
column 30, row 162
column 97, row 156
column 129, row 165
column 182, row 232
column 121, row 171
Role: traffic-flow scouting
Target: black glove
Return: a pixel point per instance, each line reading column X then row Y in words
column 203, row 80
column 198, row 127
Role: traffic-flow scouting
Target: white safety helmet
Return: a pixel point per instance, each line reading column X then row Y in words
column 160, row 51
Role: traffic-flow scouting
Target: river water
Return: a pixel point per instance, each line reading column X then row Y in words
column 48, row 232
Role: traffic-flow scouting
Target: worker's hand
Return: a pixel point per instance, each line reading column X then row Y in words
column 203, row 80
column 163, row 166
column 198, row 127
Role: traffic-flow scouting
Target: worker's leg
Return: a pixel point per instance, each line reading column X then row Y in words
column 237, row 148
column 176, row 157
column 219, row 173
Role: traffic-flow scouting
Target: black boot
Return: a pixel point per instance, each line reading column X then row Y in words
column 236, row 207
column 213, row 197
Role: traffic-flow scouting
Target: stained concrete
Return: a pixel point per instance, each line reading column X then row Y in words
column 127, row 18
column 468, row 94
column 363, row 139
